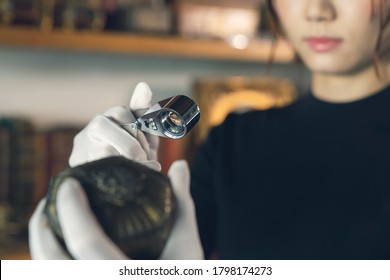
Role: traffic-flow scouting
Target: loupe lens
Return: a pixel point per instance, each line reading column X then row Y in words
column 174, row 118
column 173, row 124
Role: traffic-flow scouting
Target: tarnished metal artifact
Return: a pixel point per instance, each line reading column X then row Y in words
column 134, row 204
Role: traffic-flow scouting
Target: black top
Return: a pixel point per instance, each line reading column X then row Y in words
column 309, row 181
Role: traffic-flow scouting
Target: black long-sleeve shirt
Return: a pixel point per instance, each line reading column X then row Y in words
column 308, row 181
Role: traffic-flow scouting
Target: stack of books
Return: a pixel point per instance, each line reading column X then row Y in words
column 28, row 159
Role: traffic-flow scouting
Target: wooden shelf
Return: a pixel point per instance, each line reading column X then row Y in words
column 111, row 42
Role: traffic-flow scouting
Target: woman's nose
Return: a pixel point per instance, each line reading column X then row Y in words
column 320, row 10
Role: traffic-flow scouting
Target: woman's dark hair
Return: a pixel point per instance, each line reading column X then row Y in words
column 272, row 18
column 276, row 31
column 384, row 19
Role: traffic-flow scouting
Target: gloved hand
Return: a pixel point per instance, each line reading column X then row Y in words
column 104, row 136
column 84, row 237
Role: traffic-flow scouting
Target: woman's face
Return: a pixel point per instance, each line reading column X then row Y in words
column 334, row 36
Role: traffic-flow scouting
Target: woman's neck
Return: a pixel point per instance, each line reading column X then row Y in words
column 349, row 88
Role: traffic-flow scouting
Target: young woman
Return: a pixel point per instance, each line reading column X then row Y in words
column 309, row 181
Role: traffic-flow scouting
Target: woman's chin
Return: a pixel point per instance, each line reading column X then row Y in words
column 331, row 68
column 336, row 65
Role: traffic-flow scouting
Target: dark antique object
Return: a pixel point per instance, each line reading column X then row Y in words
column 134, row 204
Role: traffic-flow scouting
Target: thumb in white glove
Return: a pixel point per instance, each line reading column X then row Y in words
column 85, row 238
column 184, row 242
column 105, row 136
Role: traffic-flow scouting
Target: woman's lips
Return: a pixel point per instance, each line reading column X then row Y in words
column 323, row 44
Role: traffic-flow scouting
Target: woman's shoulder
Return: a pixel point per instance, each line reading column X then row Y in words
column 259, row 120
column 250, row 120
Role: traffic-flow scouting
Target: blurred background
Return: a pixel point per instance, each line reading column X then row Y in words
column 64, row 61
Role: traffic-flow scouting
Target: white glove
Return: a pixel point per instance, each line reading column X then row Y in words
column 85, row 238
column 104, row 136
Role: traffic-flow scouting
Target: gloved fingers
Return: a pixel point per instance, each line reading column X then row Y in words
column 144, row 140
column 104, row 152
column 108, row 135
column 140, row 101
column 101, row 151
column 153, row 142
column 148, row 142
column 87, row 147
column 105, row 131
column 83, row 235
column 153, row 164
column 184, row 241
column 42, row 241
column 141, row 98
column 101, row 138
column 120, row 139
column 120, row 114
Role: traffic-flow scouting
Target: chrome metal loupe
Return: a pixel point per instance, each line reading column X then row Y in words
column 173, row 118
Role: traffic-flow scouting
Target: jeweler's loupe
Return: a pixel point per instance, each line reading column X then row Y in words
column 172, row 118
